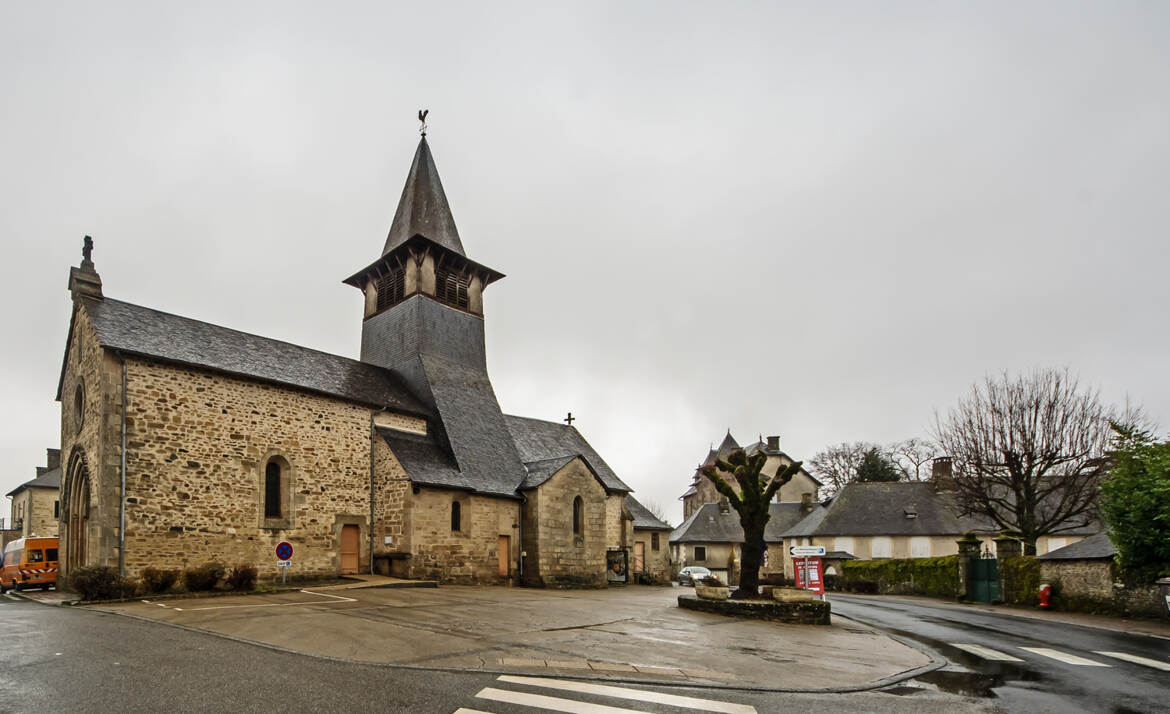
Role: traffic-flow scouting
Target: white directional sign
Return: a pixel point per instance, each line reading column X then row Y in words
column 806, row 551
column 284, row 563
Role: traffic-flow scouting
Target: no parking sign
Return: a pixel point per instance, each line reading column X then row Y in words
column 284, row 550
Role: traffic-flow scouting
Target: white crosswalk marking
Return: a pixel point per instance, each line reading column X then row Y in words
column 986, row 652
column 465, row 710
column 1064, row 657
column 641, row 695
column 1137, row 660
column 554, row 704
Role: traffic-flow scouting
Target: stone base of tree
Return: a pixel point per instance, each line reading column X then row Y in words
column 786, row 594
column 712, row 592
column 795, row 613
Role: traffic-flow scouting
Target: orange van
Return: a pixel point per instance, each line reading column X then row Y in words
column 29, row 562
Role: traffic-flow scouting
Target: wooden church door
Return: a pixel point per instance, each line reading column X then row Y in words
column 349, row 549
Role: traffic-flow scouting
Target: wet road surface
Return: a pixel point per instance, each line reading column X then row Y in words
column 1023, row 664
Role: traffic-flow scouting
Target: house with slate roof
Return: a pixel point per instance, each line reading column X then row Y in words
column 914, row 519
column 186, row 441
column 651, row 559
column 712, row 537
column 35, row 504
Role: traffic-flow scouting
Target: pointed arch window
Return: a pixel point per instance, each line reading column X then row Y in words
column 272, row 490
column 456, row 516
column 578, row 508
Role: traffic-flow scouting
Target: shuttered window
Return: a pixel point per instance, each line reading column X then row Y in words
column 451, row 288
column 391, row 288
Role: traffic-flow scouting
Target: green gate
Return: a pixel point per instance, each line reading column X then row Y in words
column 985, row 579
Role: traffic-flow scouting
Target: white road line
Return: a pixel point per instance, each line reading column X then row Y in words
column 1064, row 657
column 1136, row 660
column 986, row 653
column 465, row 710
column 553, row 704
column 641, row 695
column 272, row 604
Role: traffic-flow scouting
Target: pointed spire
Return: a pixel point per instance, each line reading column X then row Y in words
column 729, row 444
column 423, row 208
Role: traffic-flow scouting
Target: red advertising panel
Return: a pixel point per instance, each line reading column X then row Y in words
column 809, row 574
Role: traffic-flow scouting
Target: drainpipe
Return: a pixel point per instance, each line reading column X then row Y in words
column 122, row 505
column 373, row 434
column 520, row 536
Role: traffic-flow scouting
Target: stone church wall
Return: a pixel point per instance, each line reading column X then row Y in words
column 469, row 555
column 91, row 437
column 197, row 447
column 556, row 557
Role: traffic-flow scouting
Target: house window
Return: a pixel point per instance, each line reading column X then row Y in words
column 451, row 288
column 578, row 507
column 880, row 547
column 700, row 553
column 920, row 547
column 56, row 509
column 1054, row 543
column 456, row 515
column 653, row 541
column 844, row 544
column 272, row 490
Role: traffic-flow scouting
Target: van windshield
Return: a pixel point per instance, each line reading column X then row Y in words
column 36, row 556
column 51, row 555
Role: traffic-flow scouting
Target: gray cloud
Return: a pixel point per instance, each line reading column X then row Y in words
column 818, row 222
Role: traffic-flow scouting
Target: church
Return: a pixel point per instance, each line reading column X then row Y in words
column 184, row 442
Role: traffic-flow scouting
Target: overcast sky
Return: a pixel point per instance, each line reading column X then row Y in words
column 818, row 222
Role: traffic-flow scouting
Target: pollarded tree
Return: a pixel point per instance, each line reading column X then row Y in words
column 1028, row 452
column 752, row 502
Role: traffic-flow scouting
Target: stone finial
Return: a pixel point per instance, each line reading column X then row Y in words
column 84, row 281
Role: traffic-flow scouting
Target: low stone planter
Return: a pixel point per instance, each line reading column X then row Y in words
column 791, row 595
column 712, row 592
column 813, row 612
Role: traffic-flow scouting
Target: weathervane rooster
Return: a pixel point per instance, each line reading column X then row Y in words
column 422, row 120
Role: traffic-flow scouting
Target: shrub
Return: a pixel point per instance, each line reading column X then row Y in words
column 101, row 583
column 203, row 578
column 1021, row 580
column 156, row 581
column 936, row 577
column 242, row 577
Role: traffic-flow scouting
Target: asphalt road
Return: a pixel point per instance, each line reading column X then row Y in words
column 56, row 659
column 1024, row 664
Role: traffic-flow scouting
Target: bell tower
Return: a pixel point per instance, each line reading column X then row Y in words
column 423, row 318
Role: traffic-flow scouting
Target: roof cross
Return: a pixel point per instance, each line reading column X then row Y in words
column 569, row 419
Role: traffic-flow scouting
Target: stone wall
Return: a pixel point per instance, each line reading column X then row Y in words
column 34, row 508
column 557, row 557
column 656, row 563
column 198, row 444
column 470, row 554
column 1079, row 578
column 90, row 443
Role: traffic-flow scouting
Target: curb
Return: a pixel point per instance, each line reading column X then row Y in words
column 935, row 663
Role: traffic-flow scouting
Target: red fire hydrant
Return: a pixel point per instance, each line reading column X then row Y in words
column 1046, row 596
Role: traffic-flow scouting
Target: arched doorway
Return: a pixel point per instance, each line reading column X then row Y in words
column 75, row 511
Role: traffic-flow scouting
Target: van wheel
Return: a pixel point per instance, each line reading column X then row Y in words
column 17, row 585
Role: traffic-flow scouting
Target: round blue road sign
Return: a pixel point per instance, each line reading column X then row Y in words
column 284, row 550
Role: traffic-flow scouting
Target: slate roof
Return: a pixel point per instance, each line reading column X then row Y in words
column 541, row 471
column 141, row 331
column 475, row 429
column 426, row 462
column 1095, row 547
column 643, row 518
column 423, row 208
column 881, row 509
column 49, row 479
column 539, row 440
column 709, row 525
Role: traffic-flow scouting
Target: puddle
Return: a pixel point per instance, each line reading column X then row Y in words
column 980, row 679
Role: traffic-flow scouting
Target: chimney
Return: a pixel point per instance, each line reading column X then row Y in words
column 773, row 443
column 941, row 474
column 806, row 501
column 53, row 458
column 724, row 506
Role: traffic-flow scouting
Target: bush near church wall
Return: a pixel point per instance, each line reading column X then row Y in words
column 935, row 577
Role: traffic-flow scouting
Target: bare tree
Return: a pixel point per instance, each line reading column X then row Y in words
column 912, row 455
column 837, row 465
column 1028, row 452
column 657, row 511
